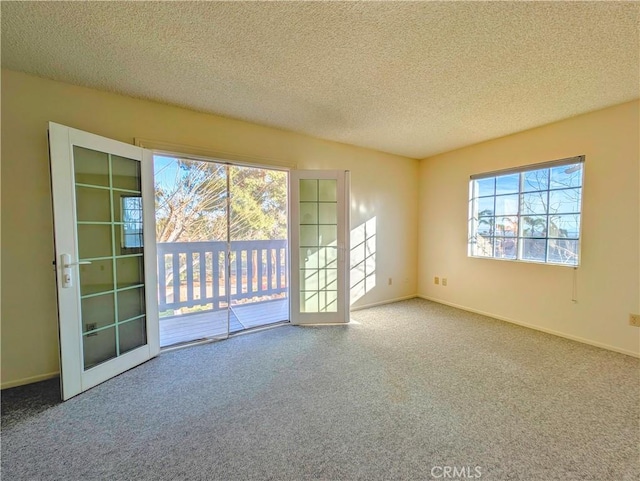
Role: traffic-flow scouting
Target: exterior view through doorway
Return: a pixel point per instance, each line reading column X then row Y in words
column 222, row 247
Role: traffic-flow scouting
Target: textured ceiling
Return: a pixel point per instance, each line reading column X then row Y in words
column 409, row 78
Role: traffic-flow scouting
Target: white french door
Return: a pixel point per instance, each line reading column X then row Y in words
column 104, row 228
column 319, row 247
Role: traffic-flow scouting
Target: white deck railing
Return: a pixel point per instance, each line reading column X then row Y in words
column 194, row 274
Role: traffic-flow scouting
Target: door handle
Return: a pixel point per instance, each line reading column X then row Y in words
column 79, row 263
column 67, row 279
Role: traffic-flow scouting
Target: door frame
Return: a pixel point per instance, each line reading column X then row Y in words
column 161, row 149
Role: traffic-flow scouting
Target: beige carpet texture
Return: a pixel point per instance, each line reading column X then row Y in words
column 407, row 391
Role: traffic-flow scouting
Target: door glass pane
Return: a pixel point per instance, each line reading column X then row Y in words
column 99, row 346
column 130, row 303
column 328, row 279
column 94, row 240
column 309, row 235
column 308, row 258
column 309, row 301
column 129, row 241
column 90, row 167
column 328, row 257
column 93, row 204
column 130, row 271
column 126, row 173
column 96, row 277
column 308, row 213
column 97, row 312
column 308, row 190
column 119, row 201
column 327, row 190
column 327, row 213
column 318, row 237
column 132, row 334
column 110, row 230
column 309, row 280
column 328, row 235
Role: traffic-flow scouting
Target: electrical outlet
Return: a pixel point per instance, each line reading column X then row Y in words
column 634, row 320
column 436, row 280
column 444, row 281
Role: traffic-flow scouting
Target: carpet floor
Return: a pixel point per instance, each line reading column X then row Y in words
column 407, row 391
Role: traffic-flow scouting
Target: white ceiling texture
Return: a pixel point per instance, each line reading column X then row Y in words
column 411, row 78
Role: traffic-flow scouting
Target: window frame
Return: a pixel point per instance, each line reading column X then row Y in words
column 492, row 232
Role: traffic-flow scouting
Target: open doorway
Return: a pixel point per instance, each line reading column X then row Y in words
column 221, row 233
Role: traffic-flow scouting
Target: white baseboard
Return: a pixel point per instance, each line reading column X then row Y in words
column 532, row 326
column 381, row 303
column 29, row 380
column 358, row 308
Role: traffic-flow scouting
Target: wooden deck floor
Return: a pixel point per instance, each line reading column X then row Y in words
column 213, row 324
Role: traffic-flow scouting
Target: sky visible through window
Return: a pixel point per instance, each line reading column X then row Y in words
column 532, row 215
column 165, row 169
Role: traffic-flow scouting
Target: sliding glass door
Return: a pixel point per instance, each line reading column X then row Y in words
column 222, row 248
column 258, row 293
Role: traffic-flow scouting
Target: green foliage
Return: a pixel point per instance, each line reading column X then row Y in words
column 192, row 206
column 258, row 204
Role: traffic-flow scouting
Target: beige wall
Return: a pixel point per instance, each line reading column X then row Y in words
column 608, row 282
column 383, row 185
